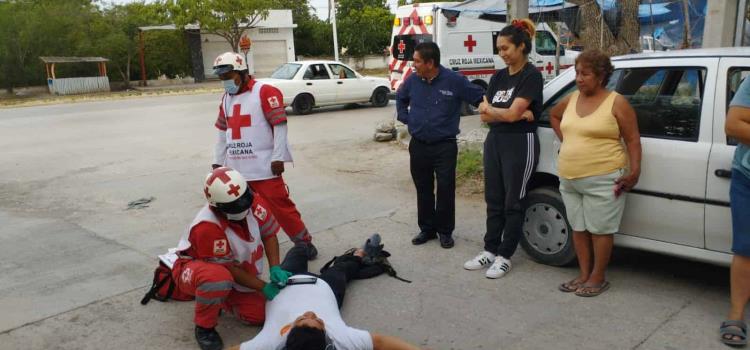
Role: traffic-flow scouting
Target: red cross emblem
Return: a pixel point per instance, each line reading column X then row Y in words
column 234, row 189
column 236, row 121
column 221, row 174
column 470, row 43
column 549, row 67
column 401, row 46
column 239, row 60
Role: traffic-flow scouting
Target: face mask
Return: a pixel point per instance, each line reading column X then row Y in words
column 238, row 216
column 230, row 87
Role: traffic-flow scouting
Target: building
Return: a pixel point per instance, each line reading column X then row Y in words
column 272, row 45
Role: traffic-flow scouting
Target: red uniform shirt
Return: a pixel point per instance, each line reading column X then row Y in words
column 208, row 240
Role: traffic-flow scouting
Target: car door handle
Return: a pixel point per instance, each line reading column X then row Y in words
column 308, row 84
column 723, row 173
column 339, row 82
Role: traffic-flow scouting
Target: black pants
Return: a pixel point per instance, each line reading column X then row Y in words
column 337, row 276
column 509, row 161
column 428, row 161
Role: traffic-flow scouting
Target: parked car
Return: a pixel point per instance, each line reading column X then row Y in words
column 310, row 84
column 681, row 203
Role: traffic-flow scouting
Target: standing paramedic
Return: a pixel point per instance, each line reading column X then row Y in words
column 252, row 139
column 221, row 256
column 514, row 98
column 429, row 103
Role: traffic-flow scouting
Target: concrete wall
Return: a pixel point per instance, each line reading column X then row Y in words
column 273, row 37
column 721, row 22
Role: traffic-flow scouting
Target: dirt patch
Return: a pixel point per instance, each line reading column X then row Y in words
column 9, row 101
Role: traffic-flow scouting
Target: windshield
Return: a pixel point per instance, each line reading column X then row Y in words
column 403, row 45
column 287, row 71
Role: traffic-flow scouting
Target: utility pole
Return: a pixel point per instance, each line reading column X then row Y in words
column 518, row 9
column 686, row 39
column 332, row 7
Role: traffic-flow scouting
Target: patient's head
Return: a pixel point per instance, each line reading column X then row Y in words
column 308, row 332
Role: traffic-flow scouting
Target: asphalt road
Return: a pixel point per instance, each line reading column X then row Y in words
column 75, row 261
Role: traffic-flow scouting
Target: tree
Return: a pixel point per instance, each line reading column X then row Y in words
column 622, row 38
column 409, row 2
column 118, row 31
column 313, row 36
column 356, row 15
column 228, row 19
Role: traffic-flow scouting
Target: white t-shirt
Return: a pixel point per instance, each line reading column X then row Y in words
column 295, row 300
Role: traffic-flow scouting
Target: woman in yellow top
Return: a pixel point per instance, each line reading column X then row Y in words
column 594, row 167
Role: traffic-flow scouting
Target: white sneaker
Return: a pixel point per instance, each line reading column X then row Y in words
column 499, row 268
column 484, row 259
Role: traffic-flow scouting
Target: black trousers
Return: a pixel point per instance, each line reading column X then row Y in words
column 427, row 162
column 509, row 161
column 337, row 276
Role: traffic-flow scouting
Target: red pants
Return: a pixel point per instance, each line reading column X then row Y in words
column 211, row 284
column 276, row 194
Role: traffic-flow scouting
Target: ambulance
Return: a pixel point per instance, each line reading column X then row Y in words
column 467, row 44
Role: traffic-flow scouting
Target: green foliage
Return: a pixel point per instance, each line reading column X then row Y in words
column 226, row 18
column 313, row 36
column 364, row 26
column 33, row 28
column 469, row 164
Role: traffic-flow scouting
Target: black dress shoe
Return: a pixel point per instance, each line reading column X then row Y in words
column 446, row 241
column 208, row 338
column 312, row 252
column 422, row 238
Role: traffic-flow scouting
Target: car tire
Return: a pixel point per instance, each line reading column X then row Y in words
column 379, row 97
column 303, row 104
column 546, row 235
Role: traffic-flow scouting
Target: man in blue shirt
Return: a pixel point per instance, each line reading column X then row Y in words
column 429, row 103
column 734, row 330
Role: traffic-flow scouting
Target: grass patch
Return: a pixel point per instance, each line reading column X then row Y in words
column 469, row 164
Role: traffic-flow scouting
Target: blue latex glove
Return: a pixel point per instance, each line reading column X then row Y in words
column 279, row 275
column 270, row 290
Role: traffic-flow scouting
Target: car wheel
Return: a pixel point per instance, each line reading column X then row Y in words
column 468, row 109
column 379, row 97
column 303, row 104
column 547, row 235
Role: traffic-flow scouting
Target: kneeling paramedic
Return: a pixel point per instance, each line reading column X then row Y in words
column 221, row 256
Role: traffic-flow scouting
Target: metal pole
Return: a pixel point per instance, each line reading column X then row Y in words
column 141, row 54
column 687, row 40
column 332, row 4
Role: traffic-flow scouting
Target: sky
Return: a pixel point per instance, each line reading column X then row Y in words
column 321, row 6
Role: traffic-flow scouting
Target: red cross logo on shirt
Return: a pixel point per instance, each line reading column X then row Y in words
column 470, row 43
column 549, row 67
column 236, row 121
column 401, row 46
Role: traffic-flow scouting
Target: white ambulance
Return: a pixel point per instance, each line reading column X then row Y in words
column 467, row 43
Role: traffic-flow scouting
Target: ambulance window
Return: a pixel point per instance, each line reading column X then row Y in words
column 316, row 72
column 545, row 43
column 341, row 72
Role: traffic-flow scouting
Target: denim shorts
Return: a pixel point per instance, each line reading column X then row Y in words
column 739, row 197
column 591, row 204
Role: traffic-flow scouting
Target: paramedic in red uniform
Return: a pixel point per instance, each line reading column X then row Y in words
column 252, row 139
column 221, row 256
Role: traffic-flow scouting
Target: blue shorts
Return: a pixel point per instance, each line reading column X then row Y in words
column 739, row 197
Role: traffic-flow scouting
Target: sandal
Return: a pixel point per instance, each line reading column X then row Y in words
column 592, row 290
column 570, row 286
column 733, row 328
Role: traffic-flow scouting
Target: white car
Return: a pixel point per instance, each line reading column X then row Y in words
column 310, row 84
column 681, row 203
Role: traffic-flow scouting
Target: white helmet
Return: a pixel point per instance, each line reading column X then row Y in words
column 228, row 62
column 227, row 190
